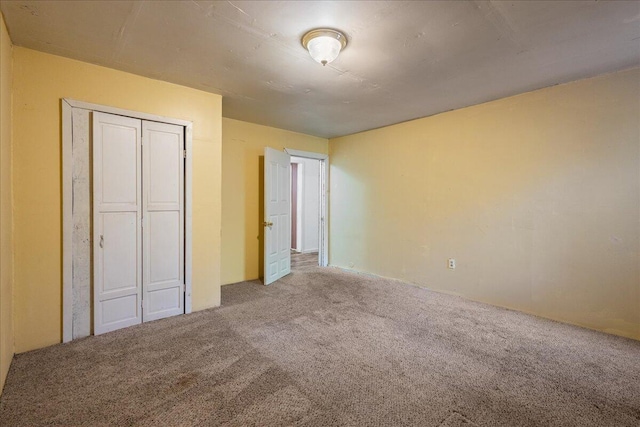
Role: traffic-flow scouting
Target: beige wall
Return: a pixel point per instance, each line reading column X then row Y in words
column 536, row 196
column 242, row 145
column 40, row 81
column 6, row 250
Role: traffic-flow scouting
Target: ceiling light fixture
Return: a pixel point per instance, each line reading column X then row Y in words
column 324, row 44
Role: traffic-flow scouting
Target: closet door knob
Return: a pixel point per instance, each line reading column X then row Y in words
column 101, row 241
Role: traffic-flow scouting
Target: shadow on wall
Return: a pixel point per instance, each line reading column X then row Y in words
column 358, row 198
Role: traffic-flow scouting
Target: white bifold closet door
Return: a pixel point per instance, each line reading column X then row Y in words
column 163, row 220
column 138, row 221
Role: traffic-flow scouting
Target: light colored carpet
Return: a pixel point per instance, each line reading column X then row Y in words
column 323, row 347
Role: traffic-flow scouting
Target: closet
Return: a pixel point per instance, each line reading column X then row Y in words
column 138, row 221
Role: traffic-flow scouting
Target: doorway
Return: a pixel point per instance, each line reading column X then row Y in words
column 323, row 215
column 277, row 242
column 305, row 211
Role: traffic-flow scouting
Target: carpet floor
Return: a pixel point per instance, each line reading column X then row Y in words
column 324, row 347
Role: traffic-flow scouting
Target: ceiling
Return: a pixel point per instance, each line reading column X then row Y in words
column 404, row 59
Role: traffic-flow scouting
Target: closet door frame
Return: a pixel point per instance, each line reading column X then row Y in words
column 67, row 201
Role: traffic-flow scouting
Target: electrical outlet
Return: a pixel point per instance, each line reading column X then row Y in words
column 452, row 263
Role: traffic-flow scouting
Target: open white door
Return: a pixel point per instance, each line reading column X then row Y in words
column 117, row 210
column 163, row 220
column 277, row 206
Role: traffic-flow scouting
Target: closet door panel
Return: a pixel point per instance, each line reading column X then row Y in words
column 163, row 219
column 119, row 166
column 164, row 248
column 164, row 163
column 117, row 214
column 118, row 252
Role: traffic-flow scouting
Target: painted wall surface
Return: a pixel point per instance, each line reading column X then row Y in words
column 299, row 203
column 40, row 81
column 243, row 147
column 6, row 250
column 309, row 204
column 536, row 196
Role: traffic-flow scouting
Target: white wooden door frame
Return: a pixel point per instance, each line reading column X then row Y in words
column 323, row 242
column 67, row 201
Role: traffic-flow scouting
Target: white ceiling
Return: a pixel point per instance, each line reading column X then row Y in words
column 404, row 59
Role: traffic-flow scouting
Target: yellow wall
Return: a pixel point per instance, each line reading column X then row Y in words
column 242, row 145
column 6, row 250
column 536, row 196
column 40, row 81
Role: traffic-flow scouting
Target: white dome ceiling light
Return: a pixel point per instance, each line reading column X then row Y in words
column 324, row 44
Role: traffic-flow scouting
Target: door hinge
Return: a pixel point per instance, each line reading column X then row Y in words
column 184, row 153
